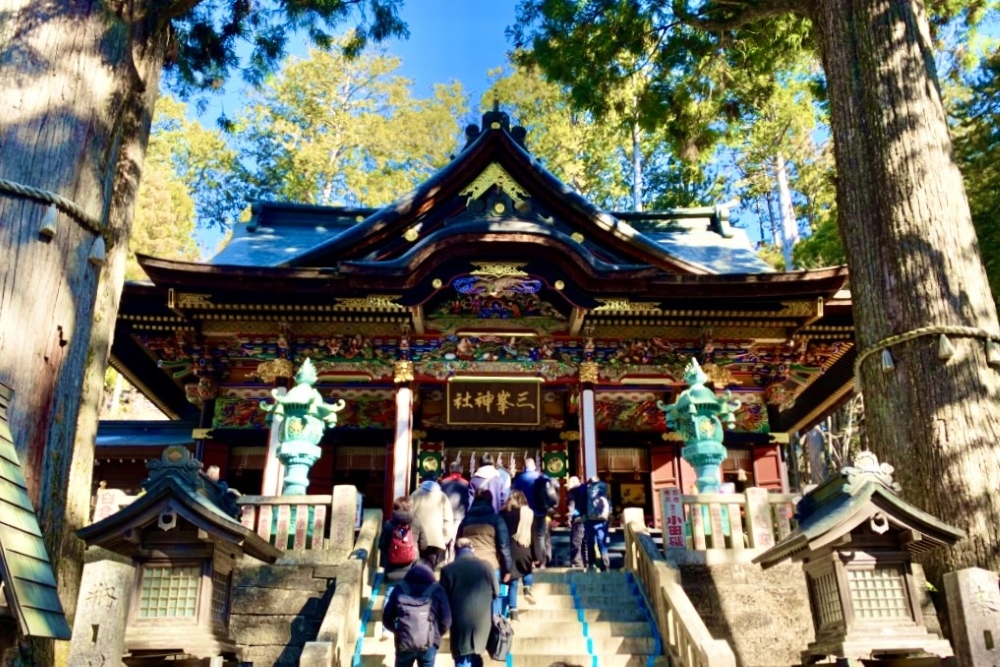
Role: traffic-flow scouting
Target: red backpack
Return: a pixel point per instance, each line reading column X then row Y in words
column 402, row 546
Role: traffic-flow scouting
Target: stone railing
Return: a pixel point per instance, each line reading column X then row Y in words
column 355, row 579
column 722, row 526
column 685, row 638
column 291, row 523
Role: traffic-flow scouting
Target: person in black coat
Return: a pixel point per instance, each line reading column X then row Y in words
column 471, row 587
column 489, row 537
column 417, row 580
column 402, row 515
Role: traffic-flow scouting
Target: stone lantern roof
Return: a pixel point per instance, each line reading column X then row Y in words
column 859, row 494
column 176, row 487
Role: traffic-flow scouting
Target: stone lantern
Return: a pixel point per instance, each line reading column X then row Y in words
column 698, row 416
column 855, row 540
column 304, row 418
column 184, row 539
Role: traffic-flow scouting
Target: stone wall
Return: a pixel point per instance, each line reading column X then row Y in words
column 276, row 610
column 764, row 615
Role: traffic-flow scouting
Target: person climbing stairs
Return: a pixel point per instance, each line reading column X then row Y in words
column 580, row 618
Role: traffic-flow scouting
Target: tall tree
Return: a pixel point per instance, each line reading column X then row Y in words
column 329, row 129
column 164, row 222
column 903, row 217
column 977, row 148
column 79, row 82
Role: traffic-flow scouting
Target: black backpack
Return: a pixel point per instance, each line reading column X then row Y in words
column 545, row 492
column 598, row 506
column 415, row 620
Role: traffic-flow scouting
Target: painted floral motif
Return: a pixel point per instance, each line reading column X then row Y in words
column 484, row 306
column 618, row 415
column 368, row 413
column 238, row 413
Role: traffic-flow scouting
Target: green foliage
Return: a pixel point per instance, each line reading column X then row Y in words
column 693, row 81
column 977, row 149
column 207, row 34
column 329, row 129
column 164, row 214
column 589, row 156
column 202, row 160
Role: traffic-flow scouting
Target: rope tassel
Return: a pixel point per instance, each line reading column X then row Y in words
column 49, row 221
column 945, row 349
column 888, row 365
column 98, row 252
column 992, row 353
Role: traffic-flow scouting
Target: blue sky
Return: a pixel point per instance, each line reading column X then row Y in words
column 453, row 39
column 449, row 40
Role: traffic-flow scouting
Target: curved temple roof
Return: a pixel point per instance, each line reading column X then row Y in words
column 470, row 188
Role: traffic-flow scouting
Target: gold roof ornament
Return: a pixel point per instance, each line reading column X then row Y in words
column 269, row 371
column 492, row 175
column 588, row 372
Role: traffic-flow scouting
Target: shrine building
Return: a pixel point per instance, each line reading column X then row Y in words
column 491, row 310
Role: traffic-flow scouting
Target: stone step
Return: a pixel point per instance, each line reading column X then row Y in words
column 585, row 660
column 541, row 645
column 626, row 611
column 564, row 575
column 570, row 628
column 582, row 586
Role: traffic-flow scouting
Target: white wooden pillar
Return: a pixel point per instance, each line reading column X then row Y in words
column 402, row 448
column 274, row 472
column 588, row 426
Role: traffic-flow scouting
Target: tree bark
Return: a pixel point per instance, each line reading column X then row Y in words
column 79, row 85
column 637, row 185
column 914, row 260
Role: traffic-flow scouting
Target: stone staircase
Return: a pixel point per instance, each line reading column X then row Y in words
column 587, row 619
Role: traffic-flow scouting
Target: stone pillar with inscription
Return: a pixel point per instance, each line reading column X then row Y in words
column 973, row 598
column 102, row 610
column 588, row 417
column 402, row 447
column 305, row 416
column 698, row 415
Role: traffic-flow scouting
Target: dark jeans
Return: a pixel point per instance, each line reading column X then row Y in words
column 422, row 658
column 577, row 554
column 597, row 532
column 471, row 660
column 541, row 549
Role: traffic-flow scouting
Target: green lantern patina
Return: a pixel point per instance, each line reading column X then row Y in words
column 699, row 416
column 305, row 416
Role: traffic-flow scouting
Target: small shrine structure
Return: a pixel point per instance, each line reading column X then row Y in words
column 184, row 538
column 855, row 539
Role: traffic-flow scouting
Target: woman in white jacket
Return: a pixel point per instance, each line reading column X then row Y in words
column 432, row 508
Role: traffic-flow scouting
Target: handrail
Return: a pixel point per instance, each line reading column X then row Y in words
column 338, row 633
column 685, row 637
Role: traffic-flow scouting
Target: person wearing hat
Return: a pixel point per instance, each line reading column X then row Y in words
column 576, row 502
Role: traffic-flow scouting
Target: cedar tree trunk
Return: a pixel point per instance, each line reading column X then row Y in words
column 78, row 82
column 914, row 260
